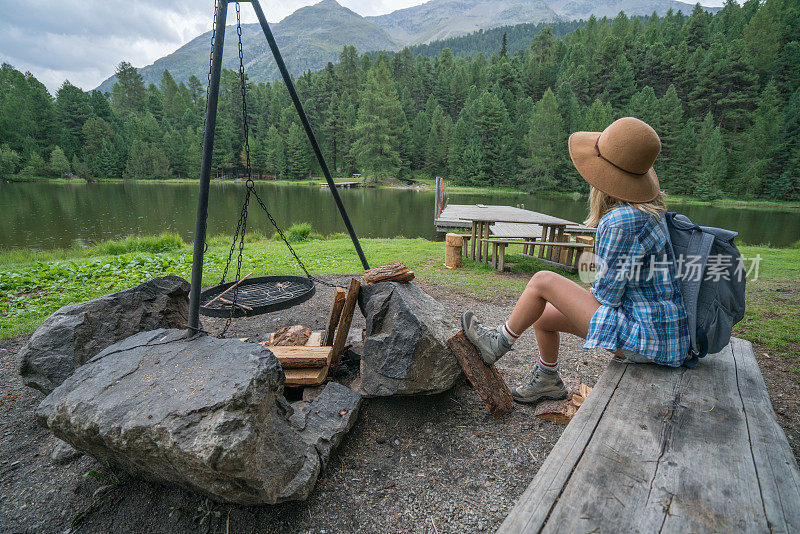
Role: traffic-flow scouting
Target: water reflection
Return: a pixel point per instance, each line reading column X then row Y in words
column 46, row 215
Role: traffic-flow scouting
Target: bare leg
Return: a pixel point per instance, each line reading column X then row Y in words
column 553, row 304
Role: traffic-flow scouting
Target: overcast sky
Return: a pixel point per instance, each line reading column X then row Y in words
column 83, row 40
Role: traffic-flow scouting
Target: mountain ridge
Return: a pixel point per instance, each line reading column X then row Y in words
column 313, row 35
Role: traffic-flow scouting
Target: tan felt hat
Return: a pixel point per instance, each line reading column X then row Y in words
column 619, row 160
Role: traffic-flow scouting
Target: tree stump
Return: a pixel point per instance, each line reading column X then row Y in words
column 485, row 379
column 453, row 244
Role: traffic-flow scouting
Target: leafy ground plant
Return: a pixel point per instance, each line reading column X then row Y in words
column 109, row 481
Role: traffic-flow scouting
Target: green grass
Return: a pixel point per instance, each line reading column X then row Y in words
column 35, row 284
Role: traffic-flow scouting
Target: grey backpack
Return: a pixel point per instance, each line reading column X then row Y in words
column 711, row 274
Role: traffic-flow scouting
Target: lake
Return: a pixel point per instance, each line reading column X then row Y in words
column 50, row 215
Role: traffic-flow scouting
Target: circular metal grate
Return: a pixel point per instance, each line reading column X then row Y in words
column 256, row 296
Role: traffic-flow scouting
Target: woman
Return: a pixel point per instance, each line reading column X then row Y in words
column 634, row 308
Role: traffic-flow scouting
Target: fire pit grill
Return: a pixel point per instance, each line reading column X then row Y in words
column 257, row 295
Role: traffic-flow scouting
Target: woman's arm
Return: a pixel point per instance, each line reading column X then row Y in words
column 617, row 252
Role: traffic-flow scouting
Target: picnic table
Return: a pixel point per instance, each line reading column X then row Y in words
column 528, row 225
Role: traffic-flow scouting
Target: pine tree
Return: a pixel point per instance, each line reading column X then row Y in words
column 298, row 160
column 438, row 144
column 380, row 127
column 621, row 84
column 72, row 110
column 276, row 160
column 672, row 122
column 543, row 169
column 713, row 161
column 569, row 108
column 598, row 117
column 763, row 142
column 128, row 94
column 645, row 106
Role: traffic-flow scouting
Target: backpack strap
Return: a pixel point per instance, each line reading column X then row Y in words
column 700, row 243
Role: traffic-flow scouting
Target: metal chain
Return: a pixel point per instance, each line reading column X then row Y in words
column 286, row 241
column 243, row 86
column 241, row 226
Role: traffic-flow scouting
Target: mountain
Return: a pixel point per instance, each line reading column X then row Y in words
column 583, row 9
column 314, row 35
column 440, row 19
column 309, row 38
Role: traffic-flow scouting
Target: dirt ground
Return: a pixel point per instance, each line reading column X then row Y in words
column 433, row 464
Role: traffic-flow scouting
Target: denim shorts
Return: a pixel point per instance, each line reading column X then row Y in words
column 631, row 357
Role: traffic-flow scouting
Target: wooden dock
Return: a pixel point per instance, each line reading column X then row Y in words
column 343, row 185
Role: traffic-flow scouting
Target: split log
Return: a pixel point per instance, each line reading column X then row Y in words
column 333, row 317
column 485, row 379
column 394, row 272
column 340, row 339
column 562, row 411
column 290, row 336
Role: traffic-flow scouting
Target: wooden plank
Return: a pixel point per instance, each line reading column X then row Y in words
column 502, row 266
column 545, row 239
column 486, row 245
column 518, row 230
column 669, row 450
column 302, row 356
column 518, row 242
column 335, row 313
column 533, row 507
column 499, row 213
column 473, row 240
column 568, row 268
column 344, row 323
column 313, row 376
column 658, row 451
column 778, row 474
column 486, row 380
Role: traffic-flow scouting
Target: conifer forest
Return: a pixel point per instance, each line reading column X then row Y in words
column 722, row 90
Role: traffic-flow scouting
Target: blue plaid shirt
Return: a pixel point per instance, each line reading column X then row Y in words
column 641, row 308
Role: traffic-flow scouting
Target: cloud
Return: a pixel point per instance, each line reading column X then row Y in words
column 83, row 40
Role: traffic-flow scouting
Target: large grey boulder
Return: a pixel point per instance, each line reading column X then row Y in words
column 405, row 351
column 324, row 422
column 75, row 333
column 203, row 413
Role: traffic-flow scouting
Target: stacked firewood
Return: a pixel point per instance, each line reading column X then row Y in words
column 392, row 272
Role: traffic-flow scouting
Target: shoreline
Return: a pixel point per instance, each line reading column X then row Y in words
column 427, row 185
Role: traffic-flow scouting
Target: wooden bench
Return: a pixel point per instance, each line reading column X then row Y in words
column 549, row 252
column 656, row 449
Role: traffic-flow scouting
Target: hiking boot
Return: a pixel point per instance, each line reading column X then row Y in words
column 541, row 386
column 490, row 342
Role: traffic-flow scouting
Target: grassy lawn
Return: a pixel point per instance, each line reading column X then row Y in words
column 35, row 284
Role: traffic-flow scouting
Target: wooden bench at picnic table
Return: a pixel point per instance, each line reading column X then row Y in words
column 660, row 449
column 550, row 252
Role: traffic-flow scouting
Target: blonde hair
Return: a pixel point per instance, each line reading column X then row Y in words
column 601, row 203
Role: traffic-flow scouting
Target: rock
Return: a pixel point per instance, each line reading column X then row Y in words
column 64, row 453
column 75, row 333
column 312, row 392
column 325, row 421
column 405, row 351
column 205, row 414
